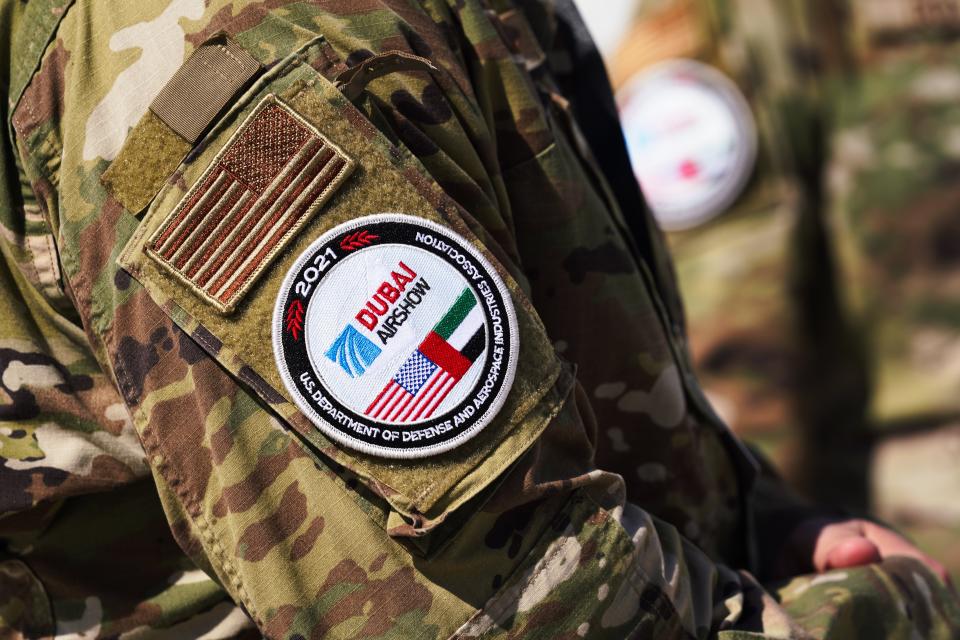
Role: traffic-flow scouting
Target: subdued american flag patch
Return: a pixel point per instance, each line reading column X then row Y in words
column 273, row 174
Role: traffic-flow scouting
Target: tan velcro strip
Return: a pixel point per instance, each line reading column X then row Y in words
column 209, row 78
column 149, row 155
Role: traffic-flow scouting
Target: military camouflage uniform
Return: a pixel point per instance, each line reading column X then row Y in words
column 822, row 302
column 157, row 479
column 742, row 304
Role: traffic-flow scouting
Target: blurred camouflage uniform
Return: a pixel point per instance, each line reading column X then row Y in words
column 137, row 421
column 823, row 300
column 734, row 270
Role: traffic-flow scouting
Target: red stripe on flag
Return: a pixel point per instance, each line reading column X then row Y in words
column 241, row 237
column 197, row 215
column 234, row 221
column 440, row 400
column 377, row 399
column 443, row 355
column 401, row 405
column 394, row 388
column 282, row 230
column 436, row 375
column 396, row 396
column 427, row 400
column 187, row 208
column 191, row 249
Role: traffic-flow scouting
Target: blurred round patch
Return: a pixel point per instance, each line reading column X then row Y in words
column 691, row 138
column 395, row 336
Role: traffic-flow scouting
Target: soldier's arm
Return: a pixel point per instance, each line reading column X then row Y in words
column 512, row 530
column 84, row 542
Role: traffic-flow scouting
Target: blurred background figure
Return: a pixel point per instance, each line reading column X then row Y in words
column 804, row 157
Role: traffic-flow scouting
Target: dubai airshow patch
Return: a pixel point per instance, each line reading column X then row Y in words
column 395, row 336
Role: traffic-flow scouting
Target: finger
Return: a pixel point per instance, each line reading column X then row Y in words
column 852, row 552
column 833, row 536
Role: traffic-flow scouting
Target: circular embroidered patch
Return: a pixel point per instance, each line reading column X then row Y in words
column 395, row 336
column 691, row 138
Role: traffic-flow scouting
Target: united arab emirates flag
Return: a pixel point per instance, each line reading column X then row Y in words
column 435, row 368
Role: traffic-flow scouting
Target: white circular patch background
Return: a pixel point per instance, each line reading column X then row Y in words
column 395, row 336
column 354, row 278
column 691, row 138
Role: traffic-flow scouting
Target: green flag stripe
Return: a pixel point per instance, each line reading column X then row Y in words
column 449, row 322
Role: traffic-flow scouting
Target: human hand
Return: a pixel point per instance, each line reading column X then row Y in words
column 821, row 545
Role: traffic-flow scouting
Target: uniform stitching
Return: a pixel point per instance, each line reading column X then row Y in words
column 54, row 261
column 230, row 55
column 194, row 510
column 215, row 70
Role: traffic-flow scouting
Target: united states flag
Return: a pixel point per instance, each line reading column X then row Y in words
column 432, row 371
column 270, row 177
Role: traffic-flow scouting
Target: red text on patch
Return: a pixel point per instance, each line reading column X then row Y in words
column 386, row 294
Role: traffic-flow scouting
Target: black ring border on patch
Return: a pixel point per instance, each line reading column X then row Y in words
column 293, row 360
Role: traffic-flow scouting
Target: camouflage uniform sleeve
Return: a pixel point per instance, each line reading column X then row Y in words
column 307, row 540
column 440, row 106
column 78, row 507
column 68, row 447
